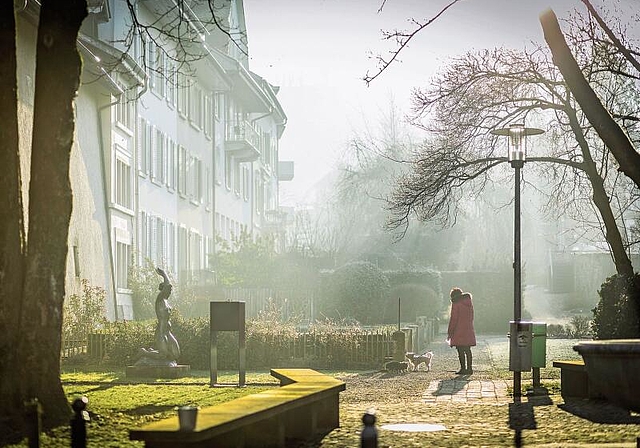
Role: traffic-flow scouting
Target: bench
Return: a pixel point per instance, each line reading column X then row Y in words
column 305, row 404
column 574, row 381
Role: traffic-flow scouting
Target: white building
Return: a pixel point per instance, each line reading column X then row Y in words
column 168, row 155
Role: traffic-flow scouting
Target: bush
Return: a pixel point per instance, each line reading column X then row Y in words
column 415, row 300
column 581, row 327
column 356, row 290
column 82, row 314
column 616, row 314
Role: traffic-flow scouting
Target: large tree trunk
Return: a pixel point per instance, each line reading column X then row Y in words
column 611, row 134
column 601, row 200
column 58, row 67
column 11, row 213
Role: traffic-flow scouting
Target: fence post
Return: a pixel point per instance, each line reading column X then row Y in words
column 33, row 414
column 369, row 435
column 79, row 423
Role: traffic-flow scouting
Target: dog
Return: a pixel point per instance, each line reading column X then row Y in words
column 397, row 366
column 417, row 360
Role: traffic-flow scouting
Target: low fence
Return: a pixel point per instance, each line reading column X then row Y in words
column 348, row 347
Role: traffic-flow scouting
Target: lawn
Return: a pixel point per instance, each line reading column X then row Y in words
column 117, row 404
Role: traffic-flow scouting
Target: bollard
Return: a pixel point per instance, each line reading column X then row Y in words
column 33, row 414
column 369, row 436
column 79, row 423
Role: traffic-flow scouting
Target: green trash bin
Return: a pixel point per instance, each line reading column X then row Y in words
column 539, row 344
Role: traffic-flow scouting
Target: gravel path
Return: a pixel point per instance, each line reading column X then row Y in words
column 475, row 410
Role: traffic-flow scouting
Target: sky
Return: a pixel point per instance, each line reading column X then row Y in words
column 318, row 51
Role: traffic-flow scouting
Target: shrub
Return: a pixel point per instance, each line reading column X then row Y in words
column 556, row 331
column 415, row 300
column 616, row 314
column 83, row 313
column 356, row 290
column 580, row 327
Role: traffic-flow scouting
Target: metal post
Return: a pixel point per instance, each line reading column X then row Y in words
column 369, row 435
column 517, row 271
column 33, row 420
column 79, row 423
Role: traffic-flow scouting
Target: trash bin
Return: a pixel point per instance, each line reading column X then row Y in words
column 538, row 344
column 520, row 346
column 527, row 345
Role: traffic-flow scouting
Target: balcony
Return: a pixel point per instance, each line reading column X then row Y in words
column 242, row 141
column 275, row 220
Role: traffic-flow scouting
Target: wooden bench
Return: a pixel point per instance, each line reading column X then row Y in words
column 306, row 404
column 574, row 381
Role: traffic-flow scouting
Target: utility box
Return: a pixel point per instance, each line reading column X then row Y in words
column 539, row 344
column 520, row 346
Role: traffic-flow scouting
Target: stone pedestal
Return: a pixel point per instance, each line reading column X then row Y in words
column 178, row 371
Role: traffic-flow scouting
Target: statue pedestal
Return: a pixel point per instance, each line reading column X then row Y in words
column 179, row 371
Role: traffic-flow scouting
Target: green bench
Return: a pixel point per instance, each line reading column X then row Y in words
column 574, row 381
column 305, row 404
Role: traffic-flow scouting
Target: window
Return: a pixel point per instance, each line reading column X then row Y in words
column 143, row 247
column 218, row 161
column 159, row 156
column 122, row 190
column 246, row 183
column 171, row 164
column 183, row 250
column 171, row 83
column 228, row 169
column 158, row 86
column 171, row 246
column 160, row 241
column 123, row 252
column 208, row 188
column 195, row 104
column 218, row 107
column 195, row 253
column 182, row 170
column 151, row 63
column 76, row 261
column 208, row 116
column 237, row 178
column 125, row 109
column 182, row 90
column 142, row 147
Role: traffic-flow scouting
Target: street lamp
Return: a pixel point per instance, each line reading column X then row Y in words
column 517, row 154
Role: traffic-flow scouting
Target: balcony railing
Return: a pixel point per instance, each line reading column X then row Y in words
column 242, row 141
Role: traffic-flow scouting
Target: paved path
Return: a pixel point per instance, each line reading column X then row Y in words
column 475, row 410
column 471, row 391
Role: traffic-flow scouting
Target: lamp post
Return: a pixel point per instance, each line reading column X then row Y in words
column 516, row 154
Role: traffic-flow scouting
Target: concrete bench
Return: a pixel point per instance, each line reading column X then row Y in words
column 574, row 381
column 306, row 404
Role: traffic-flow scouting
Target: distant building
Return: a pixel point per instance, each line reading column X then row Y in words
column 168, row 156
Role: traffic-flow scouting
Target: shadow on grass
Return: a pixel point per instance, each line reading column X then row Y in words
column 149, row 409
column 599, row 411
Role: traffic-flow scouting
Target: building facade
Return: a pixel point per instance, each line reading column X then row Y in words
column 176, row 144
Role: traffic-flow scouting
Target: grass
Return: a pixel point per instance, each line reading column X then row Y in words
column 117, row 404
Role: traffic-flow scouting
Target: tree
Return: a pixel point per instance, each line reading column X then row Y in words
column 487, row 90
column 33, row 251
column 33, row 268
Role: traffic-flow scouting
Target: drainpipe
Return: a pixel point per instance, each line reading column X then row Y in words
column 106, row 200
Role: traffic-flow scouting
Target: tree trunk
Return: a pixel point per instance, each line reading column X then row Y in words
column 58, row 68
column 611, row 134
column 11, row 213
column 601, row 200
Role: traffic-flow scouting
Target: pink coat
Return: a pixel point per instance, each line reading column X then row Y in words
column 461, row 330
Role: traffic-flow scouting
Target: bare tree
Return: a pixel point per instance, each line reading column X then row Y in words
column 487, row 90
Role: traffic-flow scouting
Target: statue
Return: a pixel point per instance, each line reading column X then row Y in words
column 167, row 350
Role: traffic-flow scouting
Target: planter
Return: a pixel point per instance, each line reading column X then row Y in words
column 613, row 366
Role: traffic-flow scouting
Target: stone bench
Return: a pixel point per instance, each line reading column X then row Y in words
column 574, row 381
column 305, row 404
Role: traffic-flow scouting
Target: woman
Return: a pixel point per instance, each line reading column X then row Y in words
column 461, row 333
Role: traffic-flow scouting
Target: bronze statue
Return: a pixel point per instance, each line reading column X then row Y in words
column 167, row 350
